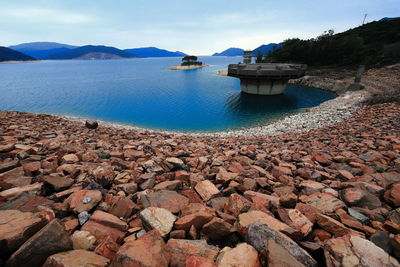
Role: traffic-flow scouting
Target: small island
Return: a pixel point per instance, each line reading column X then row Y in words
column 188, row 63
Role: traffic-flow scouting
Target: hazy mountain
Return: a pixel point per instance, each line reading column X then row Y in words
column 41, row 50
column 7, row 54
column 96, row 52
column 230, row 52
column 154, row 52
column 265, row 49
column 40, row 46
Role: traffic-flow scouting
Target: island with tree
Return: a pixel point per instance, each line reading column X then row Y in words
column 189, row 63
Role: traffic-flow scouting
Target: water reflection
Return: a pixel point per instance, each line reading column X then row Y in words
column 242, row 103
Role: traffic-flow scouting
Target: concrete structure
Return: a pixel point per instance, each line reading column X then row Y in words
column 247, row 55
column 265, row 78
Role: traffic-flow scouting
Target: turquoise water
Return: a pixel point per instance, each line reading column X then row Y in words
column 144, row 93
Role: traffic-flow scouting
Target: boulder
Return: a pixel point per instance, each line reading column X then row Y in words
column 91, row 124
column 166, row 199
column 58, row 183
column 51, row 239
column 217, row 229
column 259, row 236
column 197, row 219
column 242, row 255
column 16, row 227
column 147, row 250
column 206, row 190
column 158, row 218
column 324, row 202
column 181, row 249
column 75, row 258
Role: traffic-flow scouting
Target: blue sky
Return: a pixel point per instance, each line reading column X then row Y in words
column 199, row 27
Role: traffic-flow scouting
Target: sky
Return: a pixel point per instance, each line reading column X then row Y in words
column 199, row 27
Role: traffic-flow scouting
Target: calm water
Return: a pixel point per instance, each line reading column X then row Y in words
column 144, row 93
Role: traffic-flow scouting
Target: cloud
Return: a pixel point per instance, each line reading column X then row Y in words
column 40, row 15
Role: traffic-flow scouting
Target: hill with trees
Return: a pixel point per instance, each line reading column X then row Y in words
column 40, row 50
column 91, row 52
column 154, row 52
column 230, row 52
column 7, row 54
column 374, row 44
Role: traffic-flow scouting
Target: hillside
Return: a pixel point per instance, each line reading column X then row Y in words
column 41, row 49
column 97, row 52
column 154, row 52
column 265, row 49
column 7, row 54
column 230, row 52
column 374, row 44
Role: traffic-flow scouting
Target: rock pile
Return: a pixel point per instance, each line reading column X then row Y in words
column 75, row 196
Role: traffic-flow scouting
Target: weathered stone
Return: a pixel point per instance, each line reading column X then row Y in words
column 71, row 158
column 356, row 251
column 107, row 248
column 181, row 249
column 206, row 190
column 147, row 250
column 74, row 258
column 158, row 218
column 242, row 255
column 16, row 227
column 83, row 200
column 324, row 202
column 27, row 203
column 58, row 183
column 259, row 236
column 83, row 240
column 237, row 204
column 166, row 199
column 123, row 207
column 331, row 225
column 217, row 229
column 8, row 165
column 393, row 195
column 51, row 239
column 169, row 185
column 311, row 187
column 197, row 219
column 296, row 219
column 102, row 224
column 195, row 261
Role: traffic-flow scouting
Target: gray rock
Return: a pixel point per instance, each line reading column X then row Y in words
column 83, row 217
column 158, row 218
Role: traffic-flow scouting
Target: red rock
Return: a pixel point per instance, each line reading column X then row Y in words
column 49, row 240
column 178, row 234
column 356, row 251
column 192, row 196
column 70, row 158
column 236, row 168
column 16, row 191
column 128, row 188
column 31, row 168
column 311, row 187
column 237, row 204
column 288, row 200
column 169, row 185
column 123, row 207
column 206, row 190
column 272, row 199
column 58, row 183
column 166, row 199
column 296, row 219
column 321, row 235
column 279, row 171
column 196, row 261
column 131, row 154
column 76, row 258
column 16, row 227
column 83, row 200
column 182, row 175
column 242, row 255
column 147, row 250
column 345, row 175
column 102, row 224
column 223, row 176
column 393, row 195
column 332, row 226
column 217, row 229
column 197, row 219
column 322, row 158
column 107, row 248
column 27, row 203
column 70, row 224
column 181, row 249
column 324, row 202
column 196, row 207
column 6, row 148
column 352, row 196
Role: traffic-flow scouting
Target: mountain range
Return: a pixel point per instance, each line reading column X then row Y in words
column 7, row 54
column 41, row 50
column 154, row 52
column 263, row 49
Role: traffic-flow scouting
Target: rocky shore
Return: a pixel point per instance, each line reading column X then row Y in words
column 106, row 196
column 190, row 67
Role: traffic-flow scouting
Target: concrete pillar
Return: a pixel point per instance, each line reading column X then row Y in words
column 262, row 86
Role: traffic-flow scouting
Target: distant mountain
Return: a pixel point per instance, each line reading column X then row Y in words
column 41, row 50
column 154, row 52
column 7, row 54
column 230, row 52
column 265, row 49
column 95, row 52
column 386, row 18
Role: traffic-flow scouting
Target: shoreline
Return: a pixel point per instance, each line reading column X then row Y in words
column 327, row 113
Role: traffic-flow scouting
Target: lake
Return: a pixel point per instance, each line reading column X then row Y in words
column 142, row 92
